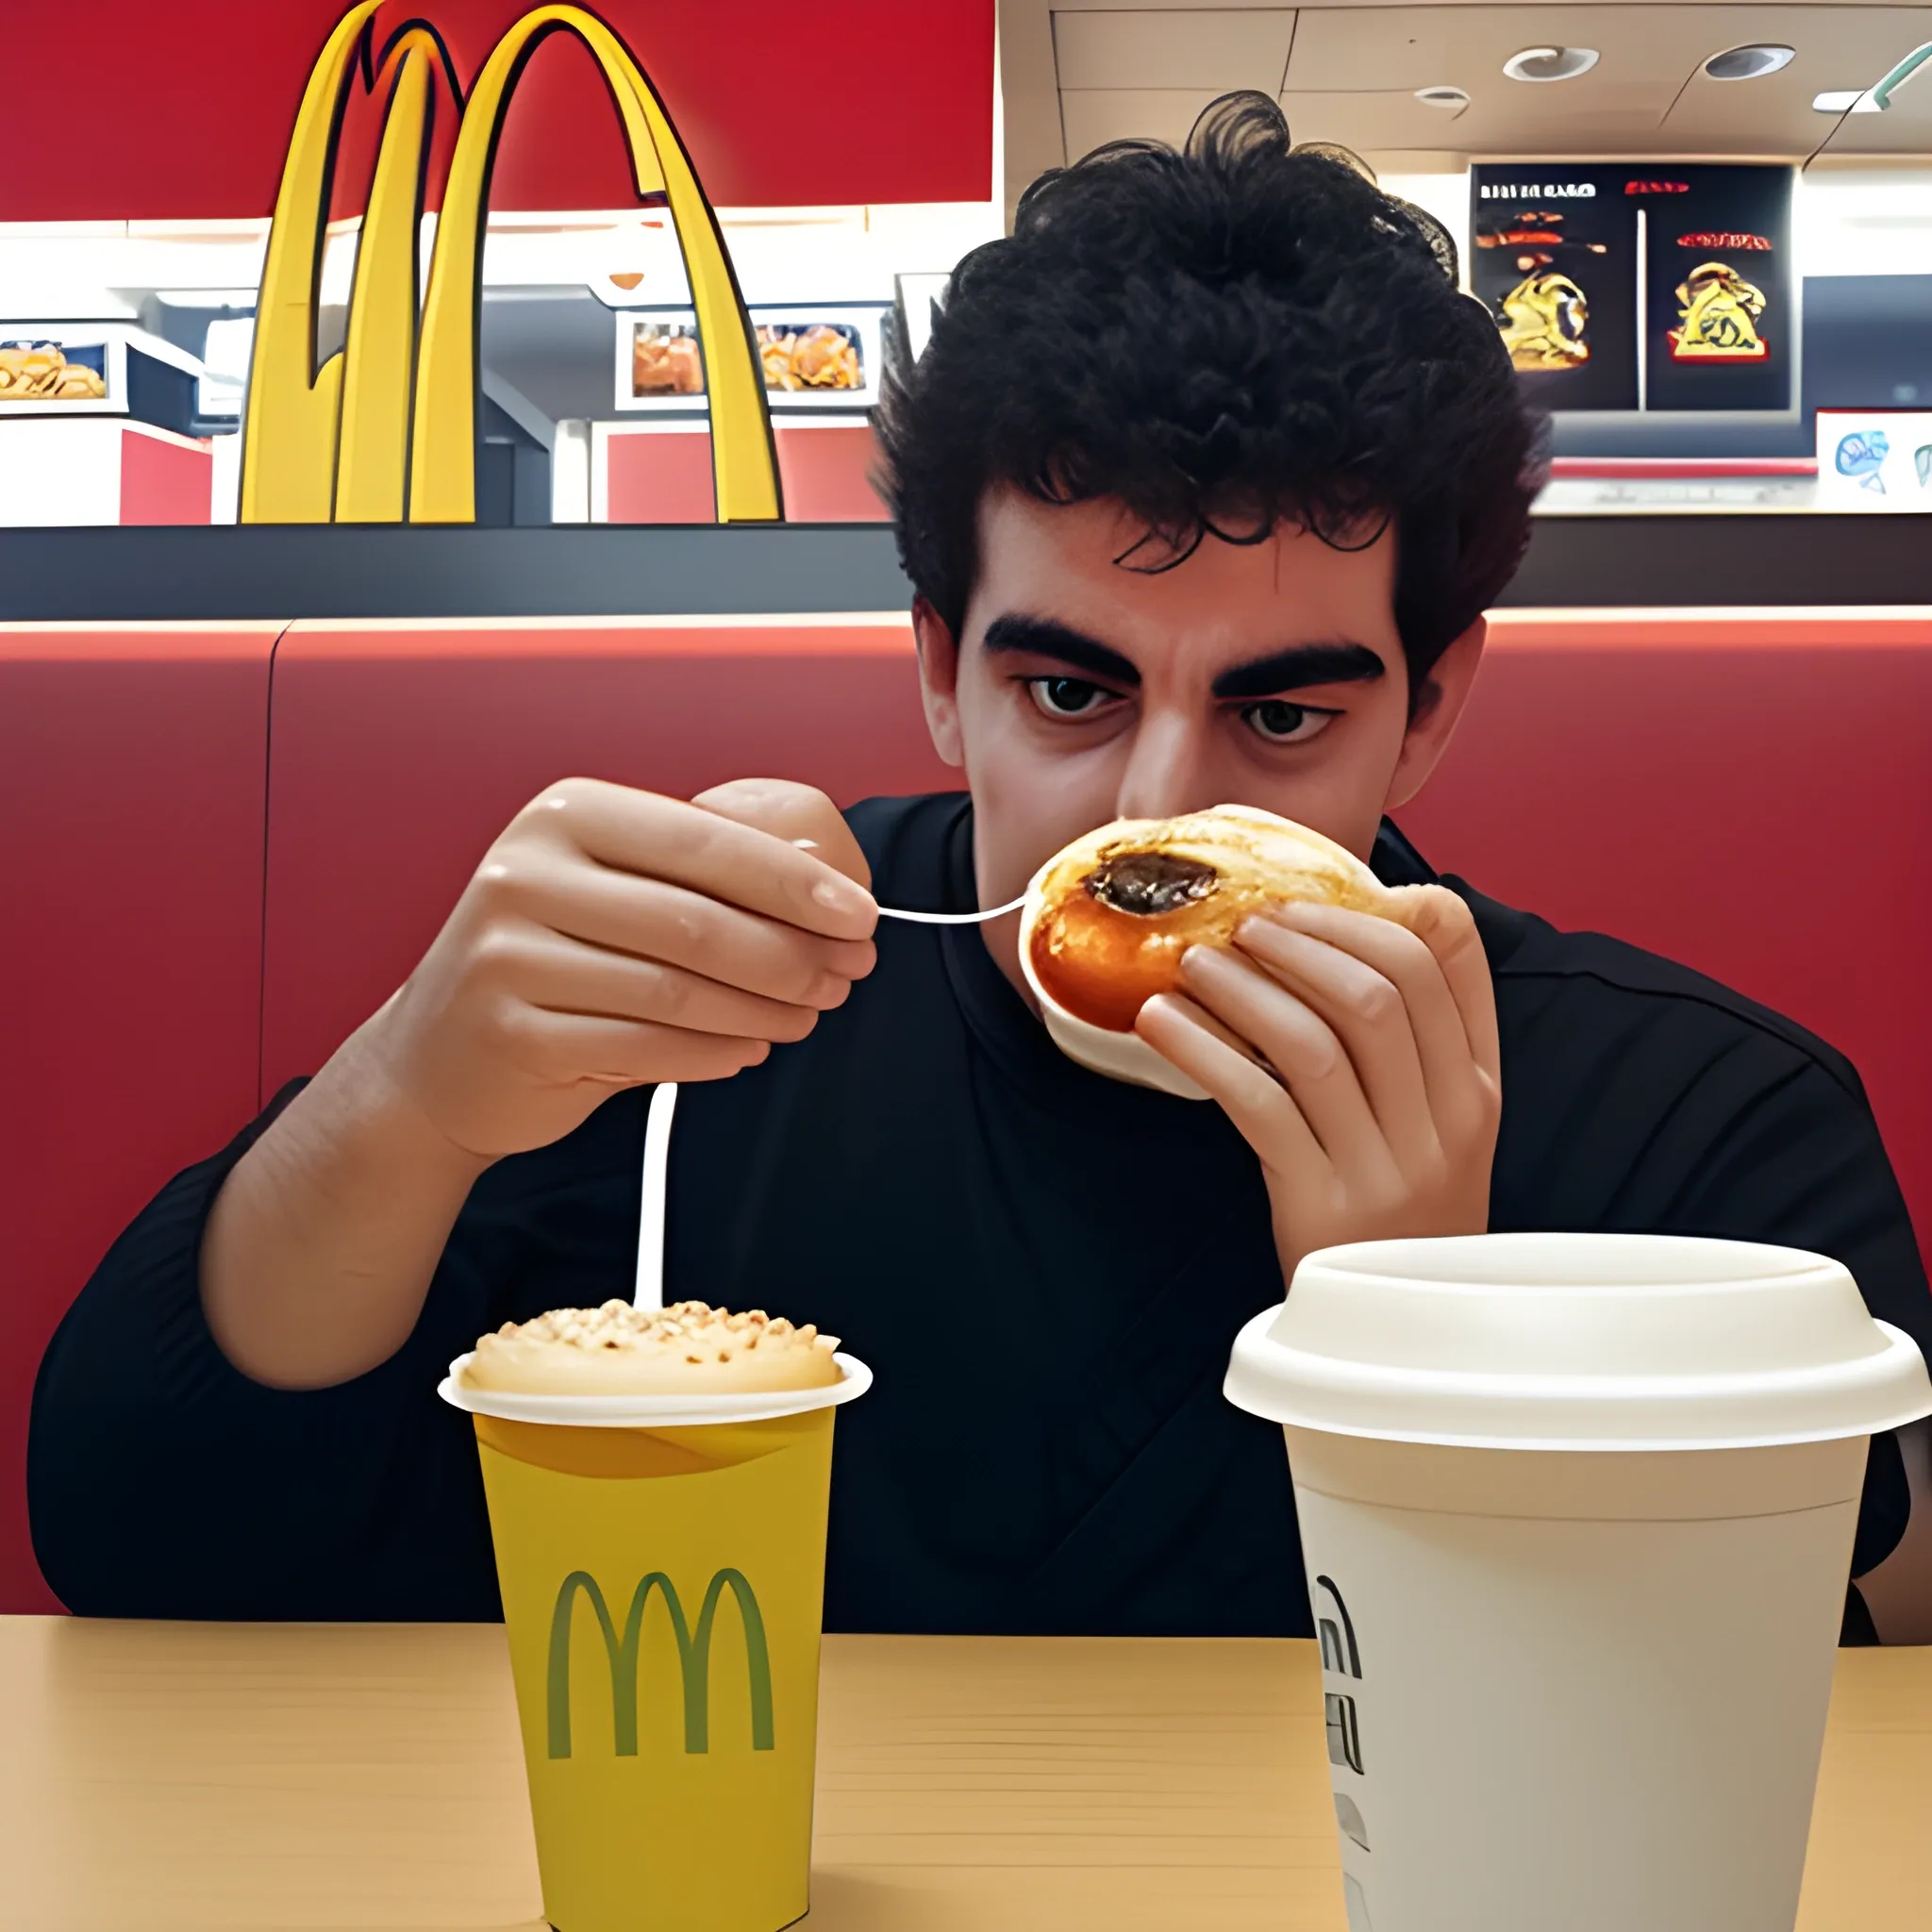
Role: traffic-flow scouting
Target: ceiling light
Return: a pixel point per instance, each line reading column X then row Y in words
column 1451, row 100
column 1876, row 98
column 1550, row 63
column 1749, row 64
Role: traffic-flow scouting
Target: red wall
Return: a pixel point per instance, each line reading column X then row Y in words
column 664, row 476
column 185, row 109
column 163, row 481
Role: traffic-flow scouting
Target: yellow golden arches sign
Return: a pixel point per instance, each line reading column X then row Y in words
column 386, row 428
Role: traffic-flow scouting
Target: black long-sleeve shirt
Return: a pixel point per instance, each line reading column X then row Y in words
column 1044, row 1268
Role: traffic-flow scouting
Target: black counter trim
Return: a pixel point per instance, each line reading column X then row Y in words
column 286, row 572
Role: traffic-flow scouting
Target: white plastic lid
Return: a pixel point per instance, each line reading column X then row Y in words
column 653, row 1412
column 1577, row 1342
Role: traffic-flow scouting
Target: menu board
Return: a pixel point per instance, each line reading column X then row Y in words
column 1722, row 310
column 1554, row 255
column 1663, row 286
column 821, row 356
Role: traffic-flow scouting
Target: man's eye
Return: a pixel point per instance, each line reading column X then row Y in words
column 1281, row 722
column 1068, row 697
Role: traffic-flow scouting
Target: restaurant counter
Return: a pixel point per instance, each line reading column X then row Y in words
column 609, row 570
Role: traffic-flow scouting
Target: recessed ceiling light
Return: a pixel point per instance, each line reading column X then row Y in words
column 1550, row 63
column 1451, row 100
column 1749, row 64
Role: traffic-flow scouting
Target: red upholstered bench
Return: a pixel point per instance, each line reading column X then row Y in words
column 400, row 751
column 133, row 769
column 1744, row 790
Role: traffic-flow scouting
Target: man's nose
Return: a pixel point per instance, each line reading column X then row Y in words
column 1169, row 768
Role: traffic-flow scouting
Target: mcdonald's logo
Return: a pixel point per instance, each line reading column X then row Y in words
column 384, row 429
column 1340, row 1653
column 625, row 1654
column 1340, row 1656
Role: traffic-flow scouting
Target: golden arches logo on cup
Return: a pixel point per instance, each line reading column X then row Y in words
column 624, row 1656
column 384, row 430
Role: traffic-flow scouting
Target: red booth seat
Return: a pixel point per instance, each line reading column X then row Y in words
column 133, row 769
column 1744, row 790
column 400, row 751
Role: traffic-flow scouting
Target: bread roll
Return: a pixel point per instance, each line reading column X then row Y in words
column 1107, row 921
column 688, row 1349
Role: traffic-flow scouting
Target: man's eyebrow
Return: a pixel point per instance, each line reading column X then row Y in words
column 1299, row 668
column 1040, row 637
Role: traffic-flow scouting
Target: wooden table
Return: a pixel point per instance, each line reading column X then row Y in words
column 162, row 1777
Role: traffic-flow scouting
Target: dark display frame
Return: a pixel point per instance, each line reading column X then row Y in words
column 1650, row 247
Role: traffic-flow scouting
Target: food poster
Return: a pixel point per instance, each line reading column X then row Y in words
column 1874, row 459
column 664, row 359
column 826, row 354
column 1552, row 255
column 802, row 354
column 32, row 370
column 1720, row 298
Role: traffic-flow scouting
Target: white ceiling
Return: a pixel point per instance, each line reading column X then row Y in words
column 1349, row 74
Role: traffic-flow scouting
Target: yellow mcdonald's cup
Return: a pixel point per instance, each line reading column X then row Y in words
column 662, row 1567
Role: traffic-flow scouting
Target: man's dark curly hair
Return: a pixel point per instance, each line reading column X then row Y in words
column 1225, row 339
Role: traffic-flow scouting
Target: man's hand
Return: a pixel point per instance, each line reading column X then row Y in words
column 1358, row 1057
column 612, row 938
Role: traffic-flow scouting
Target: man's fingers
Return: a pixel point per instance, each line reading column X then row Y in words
column 1402, row 959
column 1371, row 1004
column 572, row 1049
column 564, row 976
column 675, row 926
column 797, row 813
column 1447, row 927
column 1300, row 1047
column 706, row 851
column 1263, row 1113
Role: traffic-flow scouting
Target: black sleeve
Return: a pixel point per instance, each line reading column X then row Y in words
column 163, row 1482
column 1799, row 1162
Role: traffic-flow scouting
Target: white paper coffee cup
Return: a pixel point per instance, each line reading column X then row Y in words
column 1576, row 1513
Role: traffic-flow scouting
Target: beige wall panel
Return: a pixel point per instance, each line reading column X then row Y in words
column 1029, row 95
column 1630, row 102
column 1093, row 115
column 1367, row 121
column 1644, row 46
column 1615, row 123
column 1217, row 48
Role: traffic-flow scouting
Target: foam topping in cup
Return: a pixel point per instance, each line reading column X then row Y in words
column 688, row 1349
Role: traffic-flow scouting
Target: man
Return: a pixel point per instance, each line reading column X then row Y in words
column 1204, row 482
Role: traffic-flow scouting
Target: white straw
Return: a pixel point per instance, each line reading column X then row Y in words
column 650, row 1291
column 953, row 918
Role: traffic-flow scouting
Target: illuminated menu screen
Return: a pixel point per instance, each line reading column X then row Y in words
column 1660, row 287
